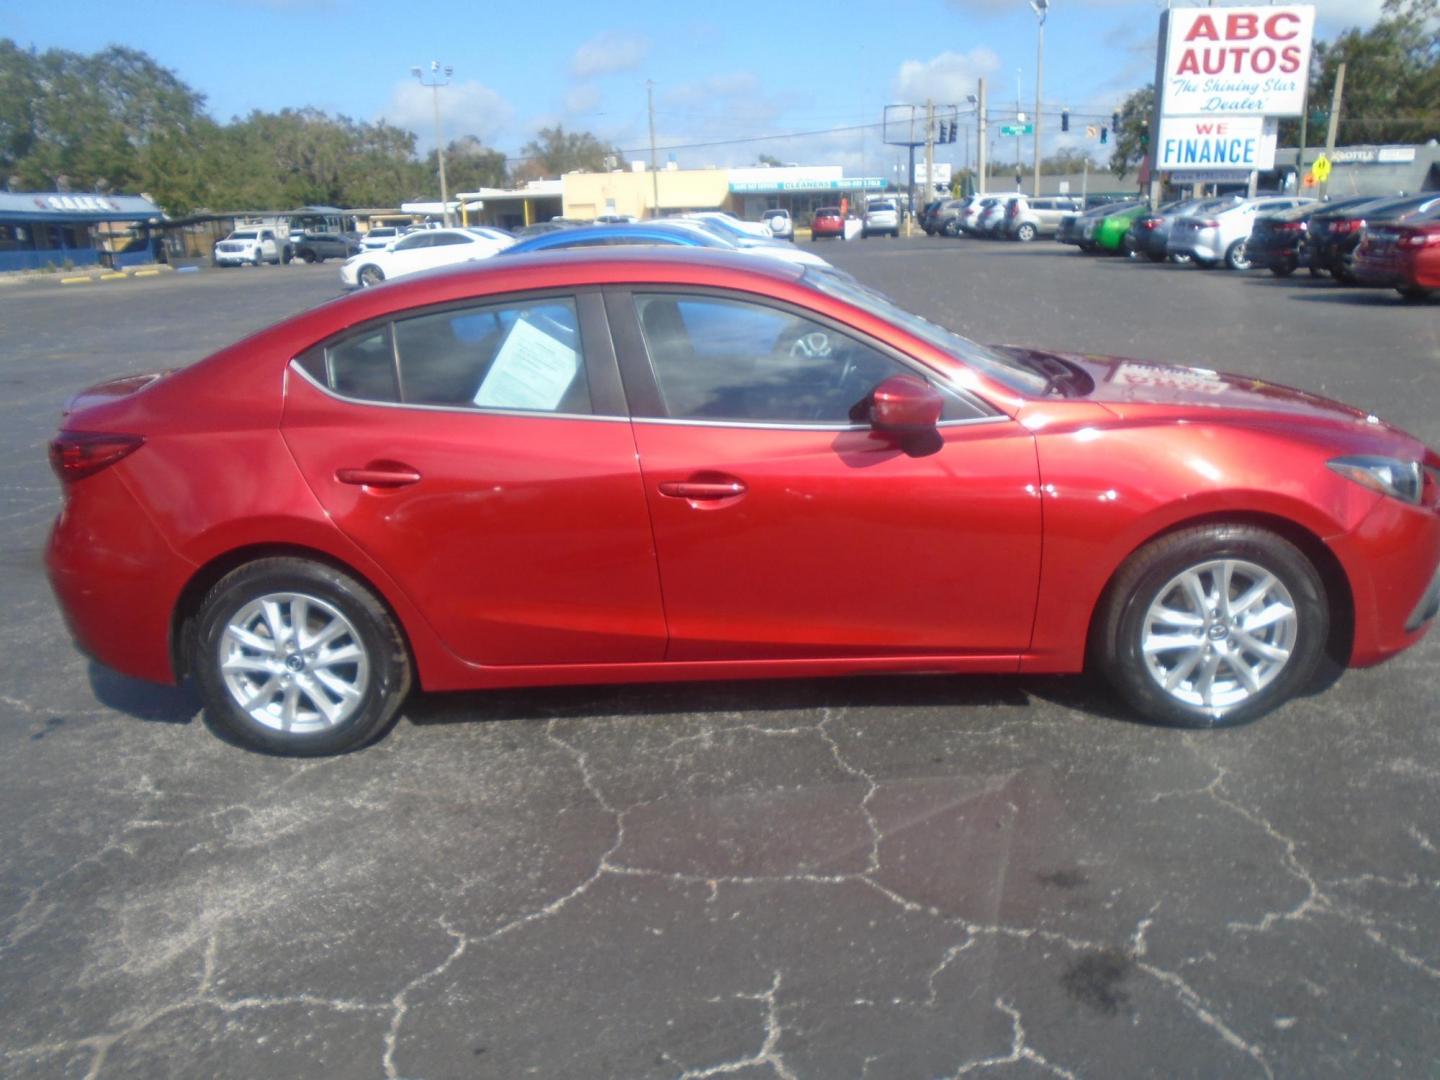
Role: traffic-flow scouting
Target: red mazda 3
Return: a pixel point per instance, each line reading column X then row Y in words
column 639, row 465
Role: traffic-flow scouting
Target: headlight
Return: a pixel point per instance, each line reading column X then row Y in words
column 1401, row 480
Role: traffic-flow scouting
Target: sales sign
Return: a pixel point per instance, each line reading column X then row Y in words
column 1236, row 60
column 1215, row 142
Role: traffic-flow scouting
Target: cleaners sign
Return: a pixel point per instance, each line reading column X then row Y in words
column 1236, row 61
column 1216, row 142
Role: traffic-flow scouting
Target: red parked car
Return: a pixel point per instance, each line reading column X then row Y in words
column 827, row 221
column 640, row 465
column 1405, row 254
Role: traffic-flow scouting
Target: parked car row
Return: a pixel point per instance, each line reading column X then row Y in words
column 1010, row 215
column 445, row 247
column 1388, row 241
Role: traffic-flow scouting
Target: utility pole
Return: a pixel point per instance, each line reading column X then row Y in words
column 983, row 135
column 929, row 153
column 654, row 170
column 1335, row 100
column 1042, row 8
column 435, row 83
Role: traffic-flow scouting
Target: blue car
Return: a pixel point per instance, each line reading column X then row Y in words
column 640, row 232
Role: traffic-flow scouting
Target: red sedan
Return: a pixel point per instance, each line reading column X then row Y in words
column 643, row 465
column 1405, row 254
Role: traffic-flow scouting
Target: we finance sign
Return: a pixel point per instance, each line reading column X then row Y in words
column 1216, row 142
column 1235, row 61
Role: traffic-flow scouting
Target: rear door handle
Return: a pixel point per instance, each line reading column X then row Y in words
column 703, row 489
column 389, row 476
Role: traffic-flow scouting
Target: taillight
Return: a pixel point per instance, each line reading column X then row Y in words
column 1421, row 240
column 1347, row 225
column 1210, row 224
column 1150, row 223
column 75, row 455
column 1289, row 227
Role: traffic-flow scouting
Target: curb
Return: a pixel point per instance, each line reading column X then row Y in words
column 108, row 275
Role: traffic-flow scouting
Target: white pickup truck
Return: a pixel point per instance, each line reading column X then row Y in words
column 254, row 244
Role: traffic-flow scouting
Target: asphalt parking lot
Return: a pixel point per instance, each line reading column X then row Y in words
column 885, row 877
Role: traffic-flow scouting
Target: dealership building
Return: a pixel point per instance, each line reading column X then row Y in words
column 639, row 192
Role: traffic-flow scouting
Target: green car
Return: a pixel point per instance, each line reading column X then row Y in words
column 1111, row 229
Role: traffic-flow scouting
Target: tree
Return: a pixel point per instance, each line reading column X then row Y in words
column 554, row 152
column 1132, row 138
column 469, row 165
column 770, row 160
column 1392, row 76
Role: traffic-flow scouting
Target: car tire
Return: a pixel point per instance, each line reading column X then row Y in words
column 1025, row 233
column 264, row 686
column 1155, row 258
column 308, row 257
column 258, row 259
column 1413, row 292
column 1283, row 269
column 1179, row 259
column 1168, row 614
column 369, row 275
column 1235, row 256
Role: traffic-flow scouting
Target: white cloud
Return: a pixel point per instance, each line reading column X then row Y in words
column 607, row 53
column 946, row 78
column 582, row 98
column 466, row 108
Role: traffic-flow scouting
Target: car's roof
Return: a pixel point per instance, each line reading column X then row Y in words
column 598, row 234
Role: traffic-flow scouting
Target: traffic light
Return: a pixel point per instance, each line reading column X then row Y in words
column 954, row 130
column 1104, row 135
column 1114, row 121
column 944, row 131
column 1064, row 119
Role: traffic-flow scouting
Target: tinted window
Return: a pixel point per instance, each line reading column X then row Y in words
column 515, row 356
column 717, row 359
column 448, row 239
column 418, row 240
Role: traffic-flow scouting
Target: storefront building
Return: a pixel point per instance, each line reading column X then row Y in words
column 62, row 230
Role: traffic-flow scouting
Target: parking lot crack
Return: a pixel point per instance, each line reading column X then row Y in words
column 400, row 1002
column 768, row 1054
column 1020, row 1051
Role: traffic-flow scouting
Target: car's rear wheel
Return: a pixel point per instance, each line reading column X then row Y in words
column 1025, row 233
column 369, row 275
column 308, row 256
column 1213, row 625
column 296, row 657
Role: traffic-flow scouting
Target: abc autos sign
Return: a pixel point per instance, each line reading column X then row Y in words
column 1235, row 61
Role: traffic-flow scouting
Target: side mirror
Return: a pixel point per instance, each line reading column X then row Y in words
column 905, row 405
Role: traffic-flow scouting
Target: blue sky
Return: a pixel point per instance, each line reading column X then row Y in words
column 721, row 71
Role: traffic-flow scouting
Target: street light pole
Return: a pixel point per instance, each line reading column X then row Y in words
column 435, row 83
column 1041, row 8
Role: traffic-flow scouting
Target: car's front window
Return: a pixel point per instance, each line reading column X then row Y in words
column 995, row 365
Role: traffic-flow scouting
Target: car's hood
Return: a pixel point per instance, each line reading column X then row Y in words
column 1126, row 387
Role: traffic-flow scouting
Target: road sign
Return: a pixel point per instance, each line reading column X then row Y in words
column 1321, row 168
column 1016, row 130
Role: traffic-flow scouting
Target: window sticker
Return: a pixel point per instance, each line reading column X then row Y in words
column 534, row 367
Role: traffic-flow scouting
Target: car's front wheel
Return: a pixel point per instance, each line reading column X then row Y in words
column 369, row 275
column 1235, row 256
column 1213, row 625
column 1025, row 233
column 296, row 657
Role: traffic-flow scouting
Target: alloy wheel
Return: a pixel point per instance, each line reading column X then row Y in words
column 1218, row 633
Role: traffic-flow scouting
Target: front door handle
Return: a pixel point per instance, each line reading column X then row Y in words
column 381, row 476
column 707, row 490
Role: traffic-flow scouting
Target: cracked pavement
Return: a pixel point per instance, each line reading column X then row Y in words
column 883, row 877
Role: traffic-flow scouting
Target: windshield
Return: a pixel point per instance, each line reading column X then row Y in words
column 242, row 236
column 1001, row 368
